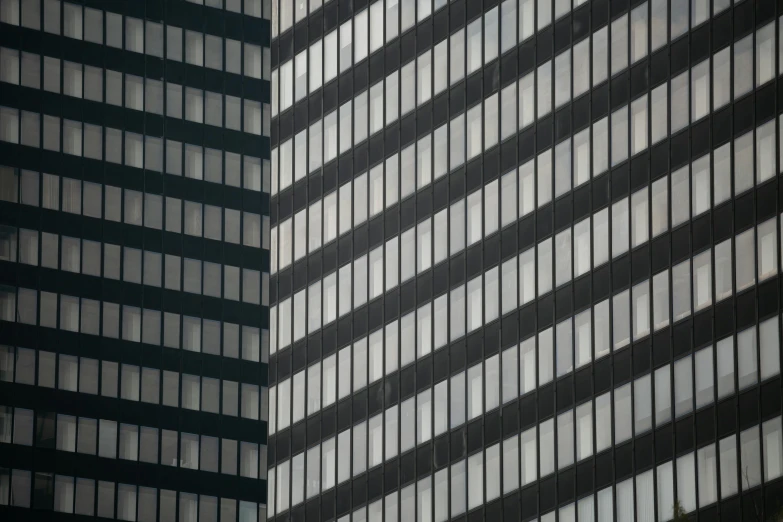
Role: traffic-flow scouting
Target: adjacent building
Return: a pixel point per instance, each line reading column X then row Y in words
column 526, row 260
column 134, row 259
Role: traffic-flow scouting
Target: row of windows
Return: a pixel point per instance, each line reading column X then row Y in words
column 353, row 48
column 642, row 123
column 138, row 325
column 395, row 16
column 755, row 453
column 561, row 441
column 133, row 207
column 113, row 440
column 646, row 212
column 140, row 151
column 676, row 293
column 285, row 11
column 200, row 106
column 325, row 68
column 133, row 265
column 704, row 464
column 574, row 251
column 481, row 43
column 141, row 36
column 436, row 410
column 104, row 499
column 252, row 7
column 131, row 382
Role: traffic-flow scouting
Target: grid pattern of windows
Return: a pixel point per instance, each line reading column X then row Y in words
column 526, row 260
column 635, row 410
column 127, row 148
column 132, row 207
column 469, row 483
column 113, row 440
column 134, row 260
column 136, row 266
column 138, row 36
column 110, row 500
column 570, row 344
column 431, row 157
column 208, row 393
column 497, row 470
column 432, row 79
column 631, row 221
column 85, row 81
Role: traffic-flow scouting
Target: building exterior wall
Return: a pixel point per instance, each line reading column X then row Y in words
column 134, row 259
column 526, row 260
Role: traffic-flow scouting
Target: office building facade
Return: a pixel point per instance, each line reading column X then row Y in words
column 134, row 259
column 526, row 260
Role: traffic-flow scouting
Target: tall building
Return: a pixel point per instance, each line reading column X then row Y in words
column 526, row 260
column 134, row 259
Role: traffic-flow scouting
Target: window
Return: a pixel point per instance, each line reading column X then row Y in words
column 747, row 364
column 526, row 95
column 584, row 431
column 316, row 68
column 765, row 54
column 663, row 410
column 750, row 457
column 474, row 304
column 642, row 405
column 329, row 393
column 600, row 55
column 621, row 319
column 563, row 77
column 474, row 131
column 544, row 260
column 475, row 480
column 565, row 439
column 769, row 348
column 562, row 168
column 544, row 86
column 601, row 236
column 773, row 449
column 440, row 236
column 407, row 255
column 564, row 350
column 641, row 310
column 424, row 75
column 702, row 280
column 529, row 456
column 545, row 356
column 700, row 85
column 727, row 449
column 683, row 386
column 679, row 102
column 546, row 434
column 639, row 121
column 721, row 78
column 622, row 414
column 563, row 257
column 619, row 38
column 312, row 478
column 743, row 66
column 744, row 260
column 681, row 290
column 767, row 249
column 63, row 493
column 659, row 113
column 509, row 285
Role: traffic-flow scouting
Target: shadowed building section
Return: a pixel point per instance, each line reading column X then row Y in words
column 134, row 259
